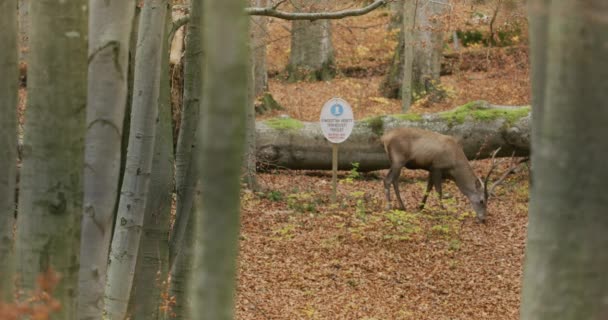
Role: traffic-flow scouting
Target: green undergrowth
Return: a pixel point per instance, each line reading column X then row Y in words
column 477, row 111
column 284, row 124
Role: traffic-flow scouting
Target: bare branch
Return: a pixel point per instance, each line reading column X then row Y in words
column 272, row 12
column 487, row 179
column 176, row 25
column 512, row 169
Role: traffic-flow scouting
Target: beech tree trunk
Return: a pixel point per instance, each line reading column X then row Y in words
column 134, row 190
column 153, row 258
column 106, row 102
column 8, row 141
column 50, row 206
column 566, row 259
column 409, row 23
column 221, row 137
column 312, row 54
column 185, row 164
column 416, row 64
column 428, row 46
column 481, row 128
column 259, row 34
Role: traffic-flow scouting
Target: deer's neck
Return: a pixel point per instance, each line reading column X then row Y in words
column 465, row 179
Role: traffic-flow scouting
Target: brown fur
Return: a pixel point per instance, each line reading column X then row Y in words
column 439, row 154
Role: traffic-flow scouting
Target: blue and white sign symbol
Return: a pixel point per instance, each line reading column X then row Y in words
column 337, row 110
column 337, row 120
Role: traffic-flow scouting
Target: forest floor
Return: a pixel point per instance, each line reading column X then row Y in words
column 303, row 257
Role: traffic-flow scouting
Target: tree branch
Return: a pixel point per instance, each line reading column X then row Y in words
column 273, row 12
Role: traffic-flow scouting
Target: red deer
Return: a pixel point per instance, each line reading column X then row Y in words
column 440, row 155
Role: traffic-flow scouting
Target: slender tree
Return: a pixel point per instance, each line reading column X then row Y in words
column 128, row 228
column 107, row 95
column 8, row 141
column 186, row 177
column 153, row 258
column 566, row 259
column 181, row 269
column 221, row 137
column 409, row 23
column 259, row 34
column 50, row 206
column 185, row 180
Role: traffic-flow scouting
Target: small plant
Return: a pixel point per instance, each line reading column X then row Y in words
column 301, row 202
column 274, row 196
column 360, row 204
column 404, row 223
column 353, row 174
column 285, row 232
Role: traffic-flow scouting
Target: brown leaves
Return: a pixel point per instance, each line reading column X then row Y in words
column 336, row 261
column 39, row 305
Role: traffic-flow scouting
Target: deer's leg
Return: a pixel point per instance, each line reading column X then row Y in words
column 437, row 178
column 429, row 187
column 393, row 178
column 396, row 174
column 387, row 188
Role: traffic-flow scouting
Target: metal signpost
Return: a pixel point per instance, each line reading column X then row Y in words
column 337, row 122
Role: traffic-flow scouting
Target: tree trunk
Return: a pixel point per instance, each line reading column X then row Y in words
column 129, row 222
column 23, row 29
column 416, row 63
column 428, row 46
column 107, row 96
column 153, row 259
column 392, row 83
column 312, row 53
column 396, row 21
column 249, row 160
column 409, row 23
column 50, row 206
column 8, row 141
column 259, row 34
column 482, row 128
column 221, row 137
column 181, row 268
column 185, row 179
column 566, row 259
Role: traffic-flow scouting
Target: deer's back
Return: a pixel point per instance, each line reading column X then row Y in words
column 421, row 149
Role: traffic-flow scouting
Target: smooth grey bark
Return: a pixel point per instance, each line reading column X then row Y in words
column 312, row 53
column 8, row 142
column 50, row 194
column 24, row 26
column 428, row 47
column 106, row 102
column 566, row 259
column 257, row 79
column 185, row 166
column 221, row 137
column 409, row 23
column 481, row 128
column 153, row 258
column 396, row 8
column 129, row 221
column 416, row 64
column 181, row 268
column 392, row 83
column 259, row 34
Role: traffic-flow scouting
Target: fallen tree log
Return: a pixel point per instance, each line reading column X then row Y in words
column 480, row 127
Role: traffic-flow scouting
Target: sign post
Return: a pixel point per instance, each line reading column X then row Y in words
column 337, row 122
